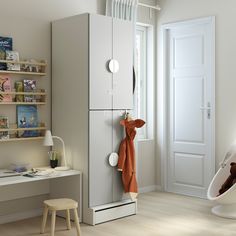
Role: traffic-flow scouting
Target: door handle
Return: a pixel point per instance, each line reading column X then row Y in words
column 207, row 109
column 113, row 66
column 134, row 80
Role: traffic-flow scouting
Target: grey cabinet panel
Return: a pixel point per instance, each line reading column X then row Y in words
column 123, row 53
column 105, row 136
column 100, row 50
column 110, row 39
column 118, row 135
column 100, row 146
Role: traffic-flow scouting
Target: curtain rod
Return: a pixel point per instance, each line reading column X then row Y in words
column 149, row 6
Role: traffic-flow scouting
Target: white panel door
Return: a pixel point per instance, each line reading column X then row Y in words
column 123, row 53
column 105, row 136
column 117, row 137
column 100, row 52
column 100, row 146
column 190, row 57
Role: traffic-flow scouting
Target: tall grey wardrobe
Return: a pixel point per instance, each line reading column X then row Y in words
column 92, row 86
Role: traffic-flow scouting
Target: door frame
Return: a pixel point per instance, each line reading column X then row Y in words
column 164, row 100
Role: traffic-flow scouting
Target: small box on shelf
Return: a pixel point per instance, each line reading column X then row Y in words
column 4, row 124
column 19, row 87
column 5, row 44
column 14, row 57
column 5, row 86
column 30, row 87
column 41, row 95
column 33, row 66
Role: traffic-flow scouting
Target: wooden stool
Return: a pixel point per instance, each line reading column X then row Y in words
column 57, row 205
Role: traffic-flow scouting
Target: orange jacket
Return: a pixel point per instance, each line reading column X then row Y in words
column 126, row 161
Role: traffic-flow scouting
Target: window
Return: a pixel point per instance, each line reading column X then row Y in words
column 144, row 78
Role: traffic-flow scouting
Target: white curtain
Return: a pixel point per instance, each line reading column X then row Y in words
column 122, row 9
column 126, row 10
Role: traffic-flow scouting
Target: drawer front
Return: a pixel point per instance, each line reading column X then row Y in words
column 115, row 213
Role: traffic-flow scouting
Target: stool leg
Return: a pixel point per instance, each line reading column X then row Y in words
column 53, row 223
column 77, row 222
column 45, row 215
column 68, row 219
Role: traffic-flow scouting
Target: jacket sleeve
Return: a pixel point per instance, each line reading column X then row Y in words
column 122, row 156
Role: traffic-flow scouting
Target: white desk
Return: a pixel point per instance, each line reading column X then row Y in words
column 22, row 179
column 60, row 184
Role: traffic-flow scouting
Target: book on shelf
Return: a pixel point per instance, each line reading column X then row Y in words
column 19, row 87
column 5, row 44
column 27, row 117
column 12, row 56
column 5, row 86
column 4, row 124
column 29, row 86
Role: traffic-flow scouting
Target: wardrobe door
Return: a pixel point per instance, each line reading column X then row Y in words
column 123, row 53
column 118, row 135
column 100, row 146
column 100, row 52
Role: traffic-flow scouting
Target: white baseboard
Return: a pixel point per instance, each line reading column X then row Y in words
column 151, row 188
column 20, row 216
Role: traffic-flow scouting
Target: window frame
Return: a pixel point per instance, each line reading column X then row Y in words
column 147, row 132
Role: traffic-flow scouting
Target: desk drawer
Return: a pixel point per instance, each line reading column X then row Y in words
column 22, row 190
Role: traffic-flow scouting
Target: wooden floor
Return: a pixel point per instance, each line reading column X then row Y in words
column 159, row 214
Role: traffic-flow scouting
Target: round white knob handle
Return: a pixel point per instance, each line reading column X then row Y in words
column 113, row 159
column 113, row 66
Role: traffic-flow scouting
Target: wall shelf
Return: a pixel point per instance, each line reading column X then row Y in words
column 22, row 103
column 22, row 129
column 40, row 101
column 24, row 63
column 10, row 132
column 21, row 139
column 21, row 73
column 42, row 65
column 24, row 93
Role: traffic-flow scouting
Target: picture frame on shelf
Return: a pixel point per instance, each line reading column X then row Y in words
column 29, row 86
column 5, row 44
column 5, row 86
column 34, row 68
column 12, row 56
column 19, row 87
column 27, row 117
column 4, row 124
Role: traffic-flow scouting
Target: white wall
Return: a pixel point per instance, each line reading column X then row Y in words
column 28, row 22
column 178, row 10
column 147, row 148
column 46, row 11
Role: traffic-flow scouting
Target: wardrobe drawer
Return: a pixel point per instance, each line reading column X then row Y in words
column 116, row 212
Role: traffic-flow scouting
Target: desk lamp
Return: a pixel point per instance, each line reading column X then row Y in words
column 48, row 141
